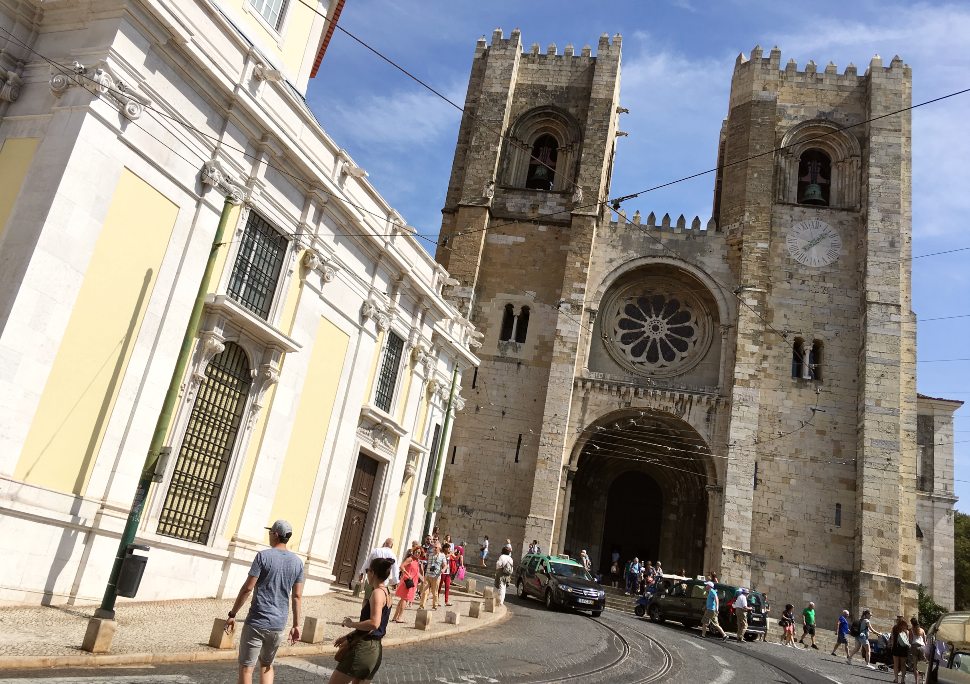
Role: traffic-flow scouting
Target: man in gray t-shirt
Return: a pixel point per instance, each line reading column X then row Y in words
column 275, row 579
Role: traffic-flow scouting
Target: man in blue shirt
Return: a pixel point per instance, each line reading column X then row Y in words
column 275, row 580
column 842, row 632
column 710, row 612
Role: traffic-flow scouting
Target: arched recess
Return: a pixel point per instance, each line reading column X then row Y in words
column 843, row 151
column 523, row 134
column 636, row 469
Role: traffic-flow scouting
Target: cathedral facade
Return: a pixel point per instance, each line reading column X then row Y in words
column 734, row 394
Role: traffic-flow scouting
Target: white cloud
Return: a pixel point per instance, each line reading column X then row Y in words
column 402, row 119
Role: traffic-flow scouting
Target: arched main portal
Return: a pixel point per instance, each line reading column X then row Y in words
column 640, row 489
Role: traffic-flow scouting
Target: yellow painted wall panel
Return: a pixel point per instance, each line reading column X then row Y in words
column 15, row 158
column 404, row 391
column 305, row 449
column 290, row 306
column 79, row 397
column 402, row 509
column 291, row 46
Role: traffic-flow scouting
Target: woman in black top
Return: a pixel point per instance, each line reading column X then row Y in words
column 363, row 651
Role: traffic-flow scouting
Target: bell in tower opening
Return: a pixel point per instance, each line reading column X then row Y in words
column 542, row 166
column 814, row 172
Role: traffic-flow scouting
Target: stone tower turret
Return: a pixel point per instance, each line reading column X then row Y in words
column 532, row 164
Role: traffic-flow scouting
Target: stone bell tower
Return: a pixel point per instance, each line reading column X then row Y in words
column 820, row 238
column 532, row 164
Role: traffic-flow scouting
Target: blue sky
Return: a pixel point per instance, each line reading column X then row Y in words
column 677, row 62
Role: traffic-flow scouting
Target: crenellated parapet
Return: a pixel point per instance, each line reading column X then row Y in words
column 751, row 73
column 696, row 228
column 605, row 47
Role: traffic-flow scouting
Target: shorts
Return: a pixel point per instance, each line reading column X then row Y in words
column 863, row 641
column 255, row 642
column 710, row 616
column 790, row 629
column 808, row 629
column 842, row 639
column 364, row 659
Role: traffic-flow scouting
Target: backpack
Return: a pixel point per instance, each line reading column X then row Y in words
column 855, row 628
column 902, row 639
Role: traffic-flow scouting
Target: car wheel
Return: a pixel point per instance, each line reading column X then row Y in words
column 597, row 613
column 655, row 615
column 549, row 604
column 520, row 588
column 640, row 611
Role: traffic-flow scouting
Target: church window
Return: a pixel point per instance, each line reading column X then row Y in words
column 207, row 448
column 542, row 164
column 387, row 380
column 798, row 365
column 522, row 325
column 256, row 273
column 814, row 178
column 838, row 515
column 271, row 10
column 815, row 361
column 508, row 323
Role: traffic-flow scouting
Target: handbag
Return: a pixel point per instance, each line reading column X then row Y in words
column 409, row 583
column 460, row 575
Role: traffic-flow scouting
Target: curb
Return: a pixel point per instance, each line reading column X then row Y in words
column 212, row 655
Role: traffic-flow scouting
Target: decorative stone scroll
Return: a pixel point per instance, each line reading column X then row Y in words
column 131, row 103
column 12, row 83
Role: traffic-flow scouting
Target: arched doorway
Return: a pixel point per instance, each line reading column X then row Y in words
column 640, row 488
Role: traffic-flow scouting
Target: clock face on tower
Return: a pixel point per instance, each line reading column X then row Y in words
column 813, row 242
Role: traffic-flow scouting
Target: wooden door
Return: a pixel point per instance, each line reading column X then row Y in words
column 355, row 519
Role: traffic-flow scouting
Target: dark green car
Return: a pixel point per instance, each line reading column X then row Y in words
column 685, row 601
column 560, row 582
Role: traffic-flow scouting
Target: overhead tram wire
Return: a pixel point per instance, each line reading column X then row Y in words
column 66, row 70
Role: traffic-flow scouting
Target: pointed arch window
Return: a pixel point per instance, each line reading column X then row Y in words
column 207, row 448
column 508, row 323
column 542, row 164
column 798, row 358
column 522, row 325
column 814, row 178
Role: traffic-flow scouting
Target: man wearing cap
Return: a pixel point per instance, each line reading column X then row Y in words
column 741, row 610
column 275, row 578
column 710, row 612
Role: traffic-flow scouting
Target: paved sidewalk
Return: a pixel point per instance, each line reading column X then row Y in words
column 174, row 631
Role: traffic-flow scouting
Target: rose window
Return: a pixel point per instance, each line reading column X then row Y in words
column 658, row 327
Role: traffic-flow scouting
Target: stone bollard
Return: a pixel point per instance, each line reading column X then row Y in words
column 489, row 604
column 218, row 637
column 475, row 609
column 312, row 630
column 472, row 586
column 97, row 638
column 488, row 592
column 452, row 617
column 422, row 620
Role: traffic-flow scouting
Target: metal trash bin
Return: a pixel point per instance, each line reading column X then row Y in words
column 132, row 570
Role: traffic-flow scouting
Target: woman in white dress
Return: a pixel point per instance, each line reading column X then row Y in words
column 503, row 573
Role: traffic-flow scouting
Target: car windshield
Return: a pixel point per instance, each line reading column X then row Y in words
column 570, row 571
column 961, row 661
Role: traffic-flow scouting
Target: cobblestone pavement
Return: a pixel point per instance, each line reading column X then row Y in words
column 147, row 627
column 532, row 646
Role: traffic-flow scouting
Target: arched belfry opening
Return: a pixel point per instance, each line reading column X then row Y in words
column 640, row 488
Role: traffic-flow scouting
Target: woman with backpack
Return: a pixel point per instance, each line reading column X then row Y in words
column 860, row 629
column 503, row 573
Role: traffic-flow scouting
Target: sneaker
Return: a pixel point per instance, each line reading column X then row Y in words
column 815, row 647
column 848, row 661
column 832, row 653
column 725, row 637
column 870, row 666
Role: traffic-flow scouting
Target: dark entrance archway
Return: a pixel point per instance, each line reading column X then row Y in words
column 632, row 498
column 640, row 489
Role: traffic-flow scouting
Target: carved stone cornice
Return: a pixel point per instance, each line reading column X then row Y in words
column 213, row 175
column 379, row 430
column 264, row 377
column 101, row 80
column 370, row 309
column 12, row 84
column 313, row 261
column 210, row 345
